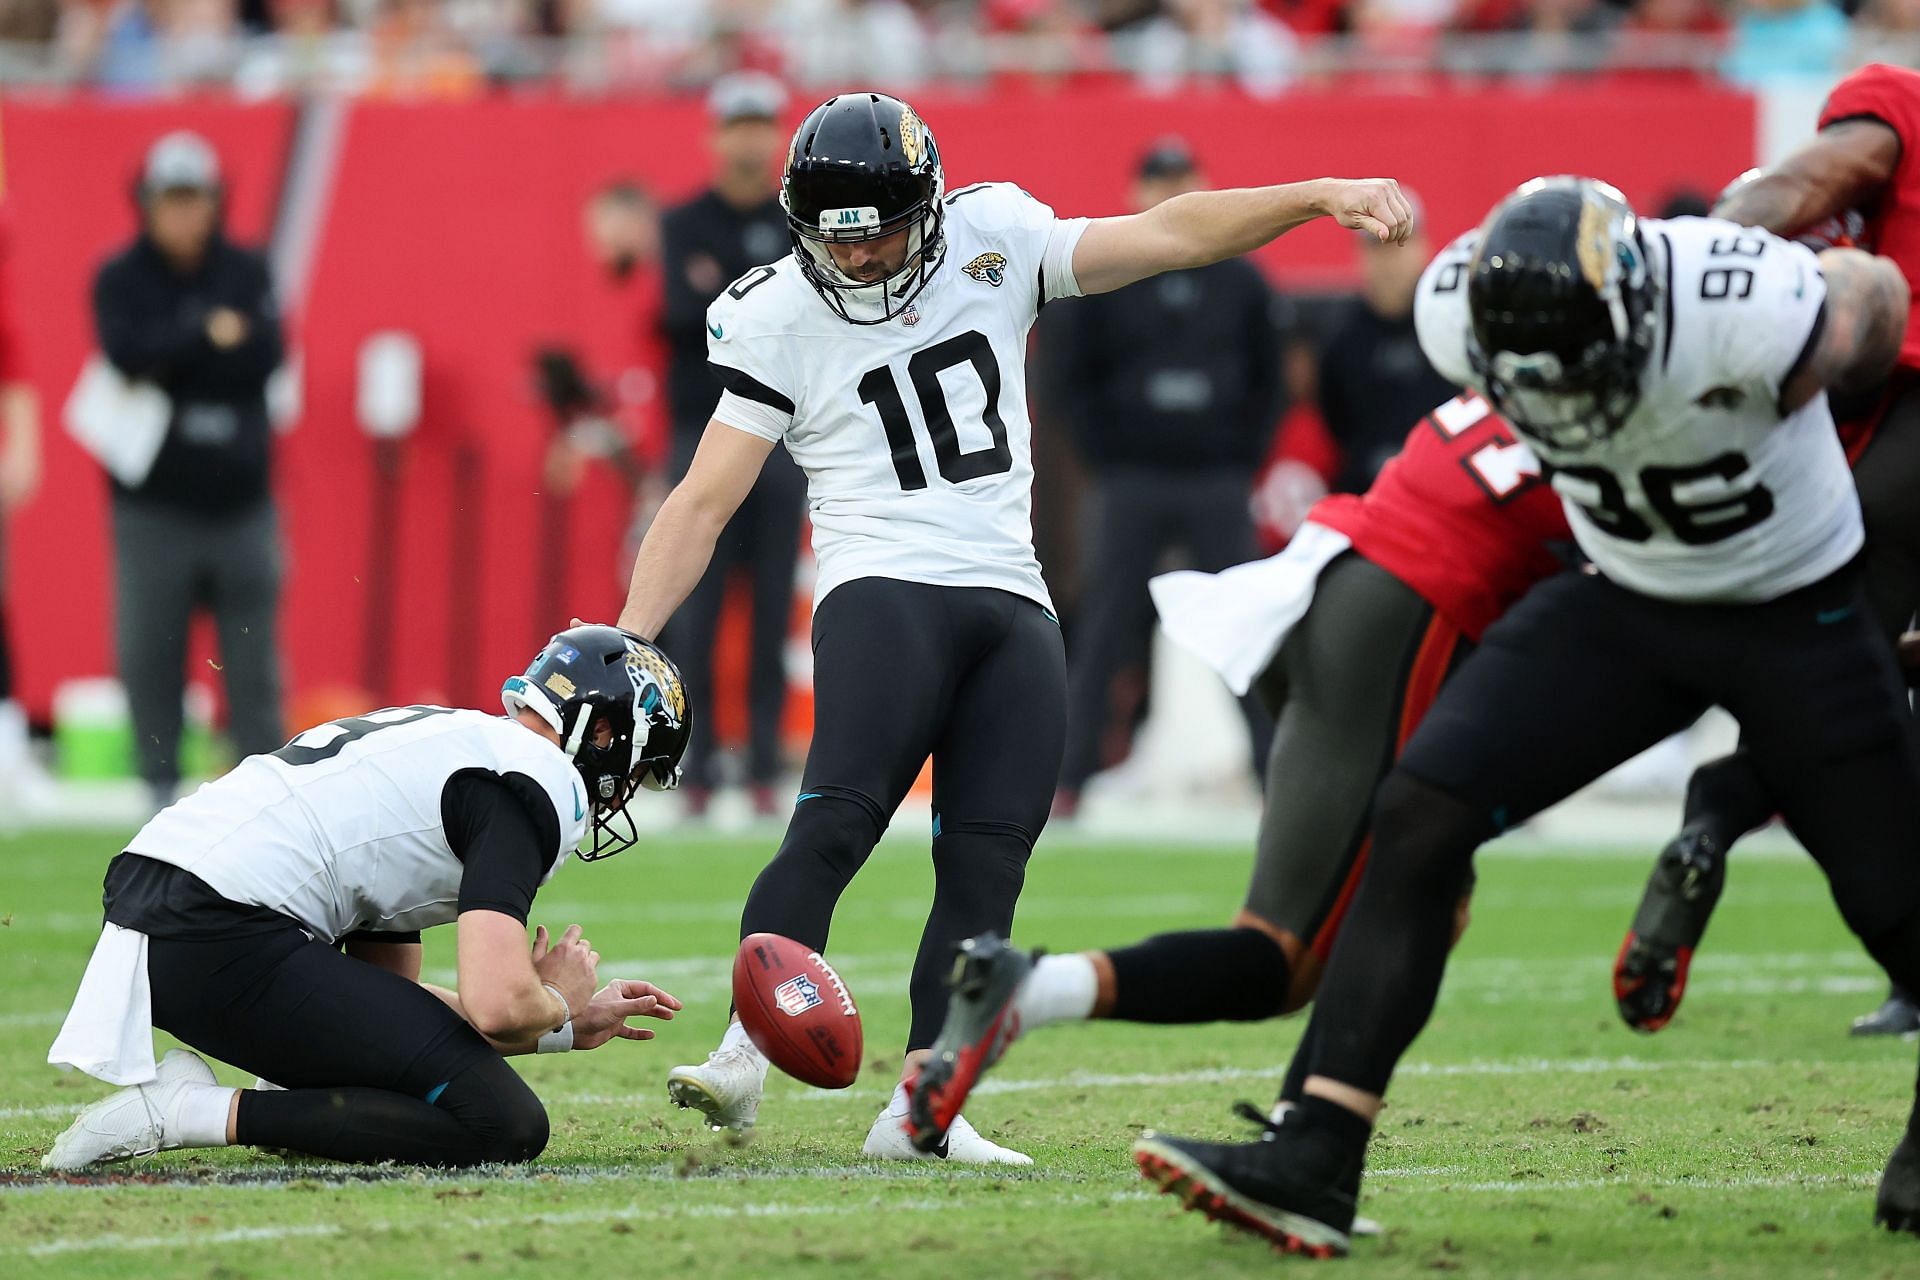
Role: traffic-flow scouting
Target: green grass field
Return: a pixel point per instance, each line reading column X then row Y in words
column 1529, row 1135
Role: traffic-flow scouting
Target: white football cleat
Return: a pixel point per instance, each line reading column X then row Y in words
column 183, row 1065
column 888, row 1140
column 132, row 1122
column 726, row 1087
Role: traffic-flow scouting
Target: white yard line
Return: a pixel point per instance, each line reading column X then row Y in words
column 944, row 1205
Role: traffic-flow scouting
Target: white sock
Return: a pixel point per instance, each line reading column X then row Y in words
column 198, row 1117
column 898, row 1107
column 738, row 1041
column 1060, row 989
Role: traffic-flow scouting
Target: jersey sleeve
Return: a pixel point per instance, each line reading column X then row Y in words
column 1039, row 245
column 1440, row 310
column 1877, row 91
column 504, row 846
column 1762, row 301
column 751, row 365
column 546, row 780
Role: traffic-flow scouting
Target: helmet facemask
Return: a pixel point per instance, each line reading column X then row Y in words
column 863, row 167
column 869, row 301
column 1563, row 408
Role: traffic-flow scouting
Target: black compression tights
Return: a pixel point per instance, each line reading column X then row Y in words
column 485, row 1115
column 827, row 843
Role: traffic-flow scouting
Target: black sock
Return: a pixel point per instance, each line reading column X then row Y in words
column 1349, row 1127
column 1202, row 975
column 1293, row 1089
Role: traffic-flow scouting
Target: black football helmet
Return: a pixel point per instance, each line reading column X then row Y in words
column 592, row 671
column 863, row 166
column 1563, row 310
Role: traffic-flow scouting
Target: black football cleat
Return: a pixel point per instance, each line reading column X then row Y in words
column 1896, row 1016
column 981, row 1022
column 1897, row 1208
column 1269, row 1187
column 1650, row 974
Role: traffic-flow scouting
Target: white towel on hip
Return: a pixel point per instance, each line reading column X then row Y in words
column 1235, row 621
column 109, row 1030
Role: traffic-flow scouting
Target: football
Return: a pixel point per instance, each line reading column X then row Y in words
column 797, row 1011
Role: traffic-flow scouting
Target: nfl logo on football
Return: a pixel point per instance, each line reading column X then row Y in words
column 797, row 995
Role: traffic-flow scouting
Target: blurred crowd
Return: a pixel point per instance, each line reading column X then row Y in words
column 450, row 48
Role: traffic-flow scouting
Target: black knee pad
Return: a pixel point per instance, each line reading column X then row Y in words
column 507, row 1121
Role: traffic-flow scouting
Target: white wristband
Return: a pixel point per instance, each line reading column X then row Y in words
column 565, row 1008
column 560, row 1039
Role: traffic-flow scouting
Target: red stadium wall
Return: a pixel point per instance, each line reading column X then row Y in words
column 460, row 224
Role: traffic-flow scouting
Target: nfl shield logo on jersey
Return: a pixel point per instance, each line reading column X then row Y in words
column 797, row 995
column 911, row 316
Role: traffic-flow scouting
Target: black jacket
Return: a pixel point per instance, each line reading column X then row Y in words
column 1181, row 371
column 1375, row 383
column 152, row 324
column 706, row 244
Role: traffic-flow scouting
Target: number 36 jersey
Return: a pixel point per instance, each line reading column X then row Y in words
column 913, row 433
column 1706, row 493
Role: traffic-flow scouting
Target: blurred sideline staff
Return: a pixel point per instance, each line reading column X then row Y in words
column 1171, row 388
column 708, row 243
column 1373, row 378
column 184, row 308
column 621, row 225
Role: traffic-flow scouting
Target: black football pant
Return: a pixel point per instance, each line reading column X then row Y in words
column 1726, row 798
column 374, row 1067
column 762, row 542
column 1134, row 516
column 974, row 678
column 1580, row 676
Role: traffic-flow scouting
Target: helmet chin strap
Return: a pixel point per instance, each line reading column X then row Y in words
column 579, row 734
column 641, row 732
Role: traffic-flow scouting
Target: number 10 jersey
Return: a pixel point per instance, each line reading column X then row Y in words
column 913, row 433
column 1707, row 492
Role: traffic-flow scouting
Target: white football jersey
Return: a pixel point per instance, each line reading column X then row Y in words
column 1706, row 493
column 341, row 828
column 913, row 433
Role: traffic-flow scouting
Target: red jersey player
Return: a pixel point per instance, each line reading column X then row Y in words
column 1859, row 178
column 1347, row 636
